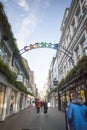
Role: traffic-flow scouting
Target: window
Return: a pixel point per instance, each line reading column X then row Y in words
column 1, row 54
column 85, row 47
column 73, row 25
column 78, row 52
column 85, row 51
column 78, row 14
column 84, row 44
column 82, row 1
column 84, row 5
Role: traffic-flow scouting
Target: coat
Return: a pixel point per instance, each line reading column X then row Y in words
column 77, row 115
column 45, row 107
column 38, row 104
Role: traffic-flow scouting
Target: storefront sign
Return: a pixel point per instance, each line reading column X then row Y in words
column 19, row 78
column 82, row 94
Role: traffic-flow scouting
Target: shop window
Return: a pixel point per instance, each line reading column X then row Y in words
column 1, row 99
column 12, row 102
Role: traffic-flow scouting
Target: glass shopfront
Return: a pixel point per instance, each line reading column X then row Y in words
column 1, row 99
column 12, row 101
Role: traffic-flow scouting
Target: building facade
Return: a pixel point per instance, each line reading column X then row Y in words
column 14, row 78
column 73, row 42
column 72, row 48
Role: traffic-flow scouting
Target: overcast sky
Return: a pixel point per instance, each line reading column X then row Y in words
column 36, row 21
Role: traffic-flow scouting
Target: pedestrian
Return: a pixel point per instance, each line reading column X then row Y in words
column 77, row 114
column 45, row 107
column 38, row 106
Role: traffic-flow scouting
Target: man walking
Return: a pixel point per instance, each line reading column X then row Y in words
column 77, row 114
column 45, row 107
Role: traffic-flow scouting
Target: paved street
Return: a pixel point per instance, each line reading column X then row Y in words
column 29, row 120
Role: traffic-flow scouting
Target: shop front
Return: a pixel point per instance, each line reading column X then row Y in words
column 79, row 85
column 2, row 96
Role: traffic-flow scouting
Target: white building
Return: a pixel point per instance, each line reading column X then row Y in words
column 72, row 45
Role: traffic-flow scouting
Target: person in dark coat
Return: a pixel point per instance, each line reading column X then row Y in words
column 77, row 114
column 45, row 107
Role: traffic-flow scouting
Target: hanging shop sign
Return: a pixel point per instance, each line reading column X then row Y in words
column 19, row 78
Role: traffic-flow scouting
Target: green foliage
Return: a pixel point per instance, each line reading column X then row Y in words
column 6, row 29
column 22, row 65
column 83, row 59
column 4, row 68
column 61, row 83
column 52, row 91
column 75, row 71
column 22, row 88
column 32, row 94
column 11, row 76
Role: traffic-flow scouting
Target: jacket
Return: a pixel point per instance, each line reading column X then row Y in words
column 76, row 115
column 38, row 104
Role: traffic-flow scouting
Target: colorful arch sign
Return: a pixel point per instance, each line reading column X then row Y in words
column 39, row 45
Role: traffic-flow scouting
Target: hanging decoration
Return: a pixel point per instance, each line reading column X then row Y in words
column 39, row 45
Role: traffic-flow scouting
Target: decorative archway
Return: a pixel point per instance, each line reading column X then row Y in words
column 39, row 45
column 47, row 45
